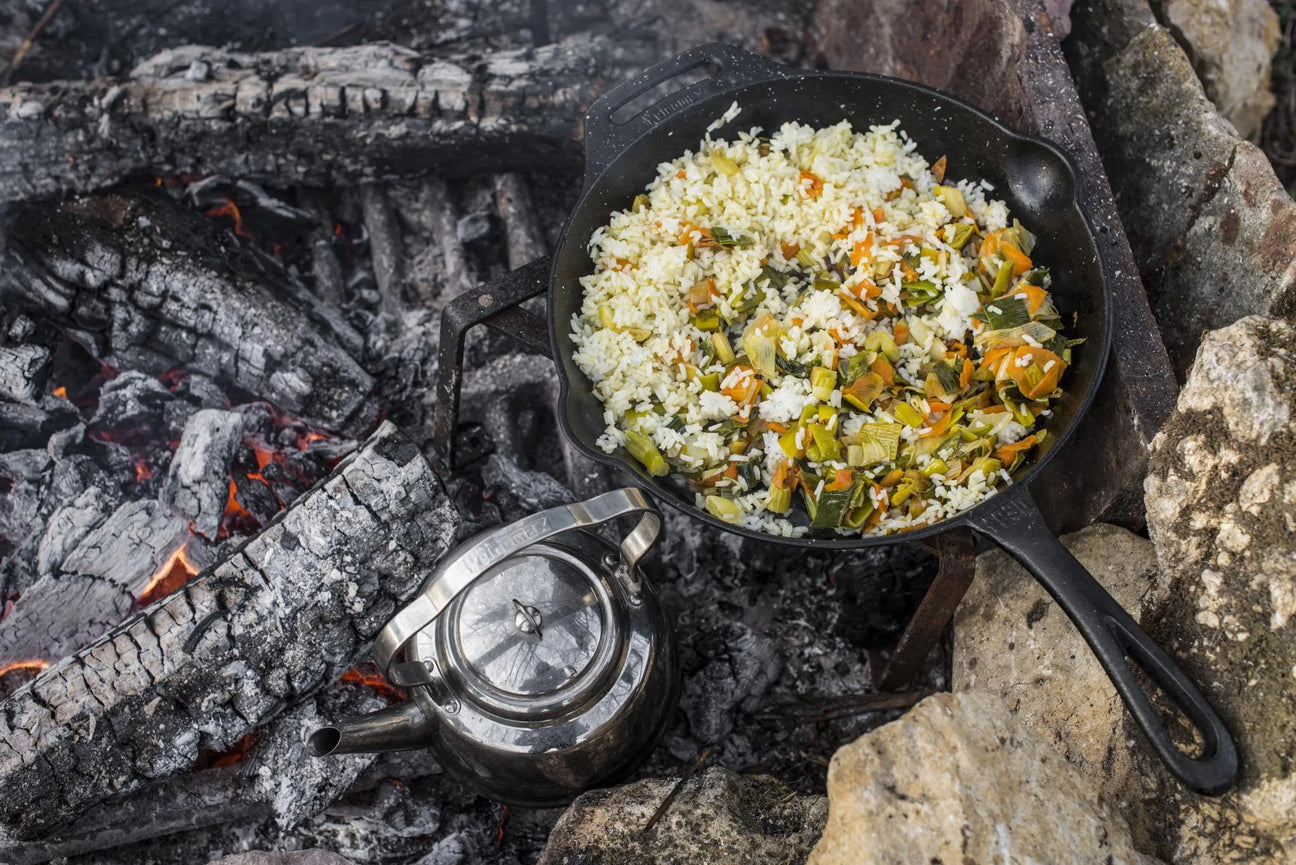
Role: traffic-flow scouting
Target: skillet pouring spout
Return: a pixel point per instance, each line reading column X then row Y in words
column 1012, row 520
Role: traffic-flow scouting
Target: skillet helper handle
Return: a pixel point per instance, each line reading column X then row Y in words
column 490, row 548
column 497, row 305
column 1013, row 521
column 606, row 139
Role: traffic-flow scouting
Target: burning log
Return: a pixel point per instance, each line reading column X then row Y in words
column 318, row 116
column 153, row 286
column 285, row 614
column 272, row 779
column 197, row 484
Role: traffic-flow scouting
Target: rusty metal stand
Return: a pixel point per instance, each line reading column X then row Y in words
column 497, row 306
column 935, row 611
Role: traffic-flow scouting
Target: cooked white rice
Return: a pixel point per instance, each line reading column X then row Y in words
column 634, row 336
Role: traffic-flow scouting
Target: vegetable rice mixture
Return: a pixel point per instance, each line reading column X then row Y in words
column 819, row 320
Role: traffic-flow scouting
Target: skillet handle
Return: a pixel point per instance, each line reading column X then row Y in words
column 1013, row 521
column 606, row 139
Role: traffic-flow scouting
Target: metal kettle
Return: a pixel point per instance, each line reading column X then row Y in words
column 538, row 661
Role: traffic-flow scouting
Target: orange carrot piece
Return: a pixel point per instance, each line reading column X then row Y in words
column 965, row 376
column 901, row 333
column 879, row 215
column 1020, row 261
column 1035, row 296
column 883, row 368
column 843, row 481
column 938, row 169
column 1006, row 453
column 815, row 187
column 790, row 250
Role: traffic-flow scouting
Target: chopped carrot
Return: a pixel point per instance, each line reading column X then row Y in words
column 1035, row 296
column 883, row 367
column 940, row 427
column 892, row 478
column 994, row 409
column 785, row 476
column 988, row 247
column 1006, row 453
column 680, row 174
column 1021, row 261
column 1031, row 377
column 790, row 250
column 871, row 288
column 775, row 426
column 857, row 217
column 621, row 264
column 695, row 234
column 909, row 274
column 879, row 215
column 815, row 186
column 845, row 478
column 965, row 377
column 954, row 346
column 937, row 405
column 938, row 169
column 994, row 356
column 731, row 471
column 862, row 251
column 860, row 309
column 901, row 332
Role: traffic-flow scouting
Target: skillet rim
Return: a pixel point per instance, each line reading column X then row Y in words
column 1078, row 202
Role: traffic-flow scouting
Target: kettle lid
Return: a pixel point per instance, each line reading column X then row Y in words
column 537, row 624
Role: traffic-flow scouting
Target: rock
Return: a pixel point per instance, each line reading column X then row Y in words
column 1221, row 500
column 1012, row 641
column 297, row 857
column 719, row 817
column 959, row 780
column 1231, row 44
column 1212, row 229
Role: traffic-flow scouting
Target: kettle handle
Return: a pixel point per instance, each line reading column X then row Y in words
column 493, row 547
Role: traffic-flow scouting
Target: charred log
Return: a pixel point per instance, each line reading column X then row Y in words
column 152, row 285
column 203, row 667
column 274, row 779
column 305, row 115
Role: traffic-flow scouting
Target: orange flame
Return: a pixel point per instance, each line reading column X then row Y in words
column 35, row 665
column 60, row 392
column 174, row 573
column 142, row 471
column 230, row 209
column 367, row 674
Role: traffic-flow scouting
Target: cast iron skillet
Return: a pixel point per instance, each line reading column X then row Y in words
column 1039, row 184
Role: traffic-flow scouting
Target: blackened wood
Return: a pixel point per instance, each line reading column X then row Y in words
column 385, row 250
column 285, row 614
column 319, row 116
column 23, row 372
column 276, row 779
column 154, row 286
column 197, row 483
column 522, row 232
column 95, row 586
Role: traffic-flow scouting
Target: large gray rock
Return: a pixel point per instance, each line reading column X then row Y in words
column 1012, row 641
column 719, row 817
column 1212, row 228
column 1231, row 44
column 1221, row 499
column 959, row 780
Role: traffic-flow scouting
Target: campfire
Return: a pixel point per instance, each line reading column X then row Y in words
column 245, row 412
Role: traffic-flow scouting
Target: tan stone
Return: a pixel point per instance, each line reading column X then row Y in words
column 719, row 817
column 1011, row 640
column 959, row 780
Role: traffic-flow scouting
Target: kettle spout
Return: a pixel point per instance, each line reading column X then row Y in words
column 397, row 728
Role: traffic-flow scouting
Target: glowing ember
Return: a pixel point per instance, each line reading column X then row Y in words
column 34, row 666
column 236, row 516
column 208, row 759
column 174, row 573
column 60, row 392
column 367, row 674
column 230, row 209
column 142, row 471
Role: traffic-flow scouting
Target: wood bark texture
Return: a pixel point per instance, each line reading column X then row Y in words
column 150, row 285
column 318, row 116
column 271, row 624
